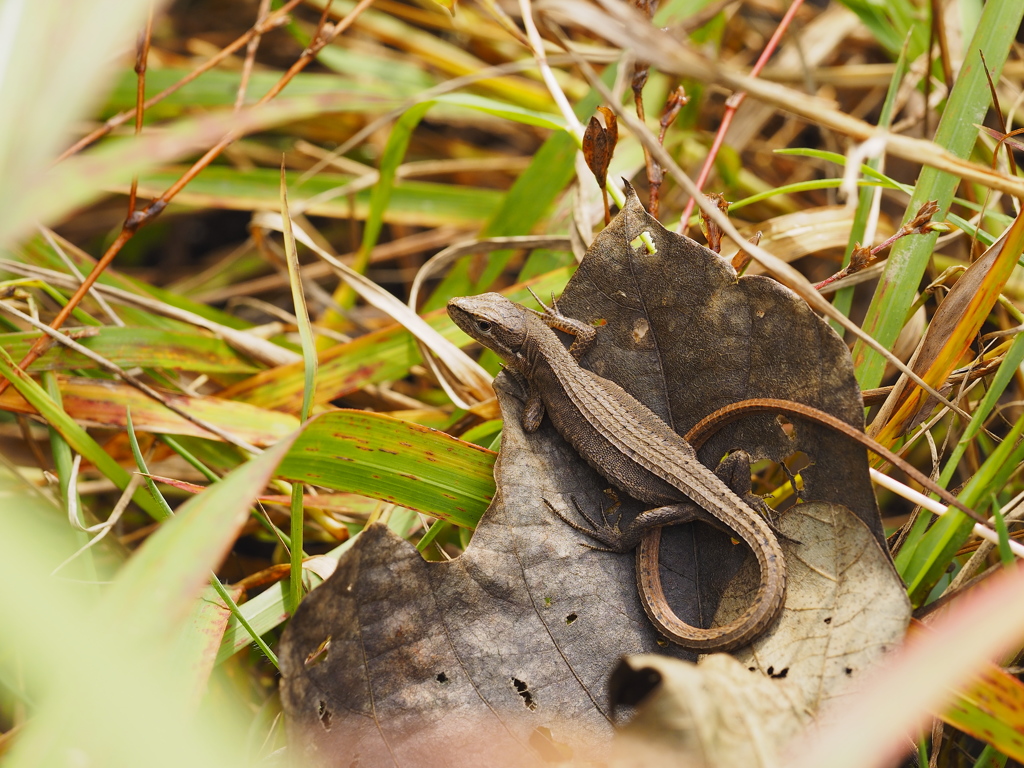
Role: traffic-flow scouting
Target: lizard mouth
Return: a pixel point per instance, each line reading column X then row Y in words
column 460, row 316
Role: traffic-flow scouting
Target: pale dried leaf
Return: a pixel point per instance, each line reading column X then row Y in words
column 803, row 233
column 845, row 606
column 845, row 609
column 715, row 713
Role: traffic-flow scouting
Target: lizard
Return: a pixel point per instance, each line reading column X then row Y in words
column 631, row 447
column 504, row 327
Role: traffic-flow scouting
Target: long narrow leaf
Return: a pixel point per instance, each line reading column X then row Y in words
column 74, row 434
column 957, row 322
column 967, row 104
column 401, row 463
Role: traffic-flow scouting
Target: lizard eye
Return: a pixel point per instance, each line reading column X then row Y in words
column 483, row 326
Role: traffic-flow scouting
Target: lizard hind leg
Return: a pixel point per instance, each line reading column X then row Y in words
column 608, row 534
column 734, row 471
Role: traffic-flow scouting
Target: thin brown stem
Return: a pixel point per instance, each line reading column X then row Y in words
column 640, row 72
column 141, row 60
column 250, row 53
column 637, row 84
column 277, row 18
column 862, row 256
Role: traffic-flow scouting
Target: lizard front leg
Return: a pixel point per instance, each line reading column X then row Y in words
column 582, row 333
column 533, row 406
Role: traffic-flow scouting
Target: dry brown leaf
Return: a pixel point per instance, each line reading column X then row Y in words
column 951, row 330
column 516, row 637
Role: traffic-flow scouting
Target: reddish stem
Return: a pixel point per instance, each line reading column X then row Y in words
column 731, row 105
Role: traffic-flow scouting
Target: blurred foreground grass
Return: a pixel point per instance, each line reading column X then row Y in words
column 403, row 129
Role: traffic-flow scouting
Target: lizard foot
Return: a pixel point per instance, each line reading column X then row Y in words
column 613, row 539
column 771, row 516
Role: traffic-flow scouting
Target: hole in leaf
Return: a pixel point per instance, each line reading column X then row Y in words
column 798, row 462
column 786, row 424
column 640, row 330
column 644, row 239
column 442, row 678
column 781, row 675
column 828, row 620
column 325, row 715
column 523, row 690
column 848, row 671
column 571, row 618
column 627, row 687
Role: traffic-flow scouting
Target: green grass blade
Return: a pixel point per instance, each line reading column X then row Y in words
column 1004, row 375
column 513, row 112
column 395, row 461
column 132, row 347
column 140, row 462
column 415, row 203
column 266, row 611
column 1005, row 553
column 890, row 22
column 968, row 101
column 921, row 566
column 957, row 322
column 218, row 88
column 843, row 299
column 155, row 592
column 75, row 435
column 309, row 365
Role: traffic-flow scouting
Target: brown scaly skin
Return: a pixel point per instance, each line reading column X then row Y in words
column 636, row 451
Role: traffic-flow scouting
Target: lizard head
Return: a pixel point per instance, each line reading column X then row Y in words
column 497, row 323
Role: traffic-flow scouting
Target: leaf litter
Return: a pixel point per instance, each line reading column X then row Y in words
column 503, row 655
